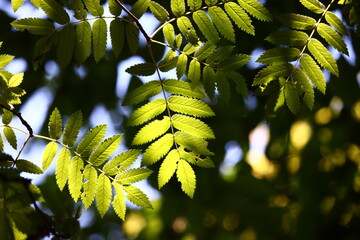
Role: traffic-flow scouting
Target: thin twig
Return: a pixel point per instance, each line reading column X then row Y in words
column 137, row 22
column 23, row 121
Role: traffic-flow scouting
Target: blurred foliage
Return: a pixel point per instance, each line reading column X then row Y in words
column 311, row 186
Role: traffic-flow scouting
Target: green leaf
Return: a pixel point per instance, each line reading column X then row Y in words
column 190, row 48
column 75, row 180
column 49, row 154
column 186, row 177
column 121, row 162
column 158, row 149
column 65, row 45
column 222, row 22
column 169, row 34
column 181, row 65
column 323, row 56
column 92, row 138
column 178, row 7
column 297, row 21
column 132, row 37
column 194, row 4
column 174, row 86
column 90, row 184
column 137, row 197
column 196, row 160
column 142, row 69
column 194, row 73
column 334, row 21
column 204, row 51
column 168, row 167
column 5, row 60
column 271, row 73
column 55, row 11
column 167, row 64
column 190, row 106
column 192, row 143
column 209, row 80
column 279, row 56
column 103, row 194
column 223, row 87
column 292, row 97
column 313, row 71
column 94, row 7
column 117, row 34
column 99, row 34
column 105, row 149
column 187, row 29
column 255, row 9
column 62, row 168
column 82, row 42
column 78, row 7
column 72, row 129
column 16, row 4
column 147, row 112
column 6, row 116
column 15, row 80
column 211, row 2
column 313, row 5
column 55, row 124
column 140, row 7
column 132, row 175
column 234, row 62
column 119, row 203
column 192, row 126
column 304, row 86
column 240, row 17
column 206, row 26
column 219, row 55
column 241, row 85
column 159, row 12
column 35, row 26
column 332, row 37
column 27, row 166
column 280, row 99
column 152, row 131
column 1, row 144
column 143, row 93
column 114, row 8
column 288, row 37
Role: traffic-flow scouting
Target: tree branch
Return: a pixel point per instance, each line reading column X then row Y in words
column 23, row 121
column 138, row 24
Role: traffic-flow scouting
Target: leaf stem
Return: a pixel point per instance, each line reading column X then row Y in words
column 22, row 120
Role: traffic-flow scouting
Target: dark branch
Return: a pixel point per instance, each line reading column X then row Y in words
column 23, row 121
column 142, row 30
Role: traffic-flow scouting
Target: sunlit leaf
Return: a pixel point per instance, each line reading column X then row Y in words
column 49, row 154
column 147, row 112
column 90, row 186
column 132, row 175
column 103, row 194
column 186, row 177
column 92, row 138
column 190, row 106
column 152, row 131
column 27, row 166
column 105, row 149
column 158, row 149
column 168, row 167
column 99, row 36
column 75, row 180
column 55, row 124
column 62, row 168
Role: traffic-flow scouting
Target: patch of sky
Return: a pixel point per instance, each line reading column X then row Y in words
column 17, row 65
column 233, row 154
column 255, row 54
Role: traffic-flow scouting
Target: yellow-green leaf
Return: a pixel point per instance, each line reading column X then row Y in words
column 206, row 26
column 121, row 162
column 27, row 166
column 132, row 175
column 75, row 180
column 178, row 87
column 313, row 5
column 99, row 34
column 168, row 167
column 49, row 154
column 178, row 7
column 313, row 71
column 152, row 131
column 190, row 106
column 82, row 42
column 62, row 168
column 103, row 194
column 240, row 17
column 55, row 11
column 137, row 197
column 35, row 26
column 186, row 176
column 55, row 124
column 94, row 7
column 222, row 22
column 323, row 56
column 334, row 21
column 187, row 29
column 92, row 138
column 332, row 37
column 72, row 129
column 147, row 112
column 158, row 149
column 192, row 126
column 119, row 203
column 297, row 21
column 143, row 93
column 254, row 8
column 105, row 149
column 90, row 186
column 276, row 56
column 159, row 11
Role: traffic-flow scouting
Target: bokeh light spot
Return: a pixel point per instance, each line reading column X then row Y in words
column 300, row 133
column 180, row 224
column 323, row 116
column 134, row 224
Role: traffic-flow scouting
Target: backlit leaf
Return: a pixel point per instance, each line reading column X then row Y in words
column 152, row 131
column 75, row 180
column 89, row 187
column 332, row 37
column 304, row 87
column 137, row 197
column 190, row 106
column 313, row 5
column 169, row 34
column 132, row 37
column 323, row 56
column 279, row 56
column 158, row 149
column 297, row 21
column 82, row 42
column 55, row 11
column 186, row 177
column 209, row 80
column 103, row 194
column 182, row 88
column 254, row 8
column 132, row 175
column 65, row 46
column 206, row 26
column 119, row 203
column 5, row 60
column 181, row 65
column 142, row 69
column 27, row 166
column 187, row 29
column 288, row 37
column 94, row 7
column 313, row 71
column 271, row 73
column 192, row 126
column 49, row 154
column 117, row 34
column 240, row 17
column 147, row 112
column 234, row 62
column 114, row 8
column 6, row 116
column 192, row 143
column 194, row 4
column 159, row 11
column 168, row 167
column 204, row 51
column 121, row 162
column 72, row 129
column 222, row 22
column 35, row 26
column 55, row 124
column 194, row 73
column 334, row 21
column 143, row 93
column 62, row 168
column 178, row 7
column 140, row 7
column 92, row 138
column 99, row 36
column 292, row 97
column 16, row 4
column 105, row 149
